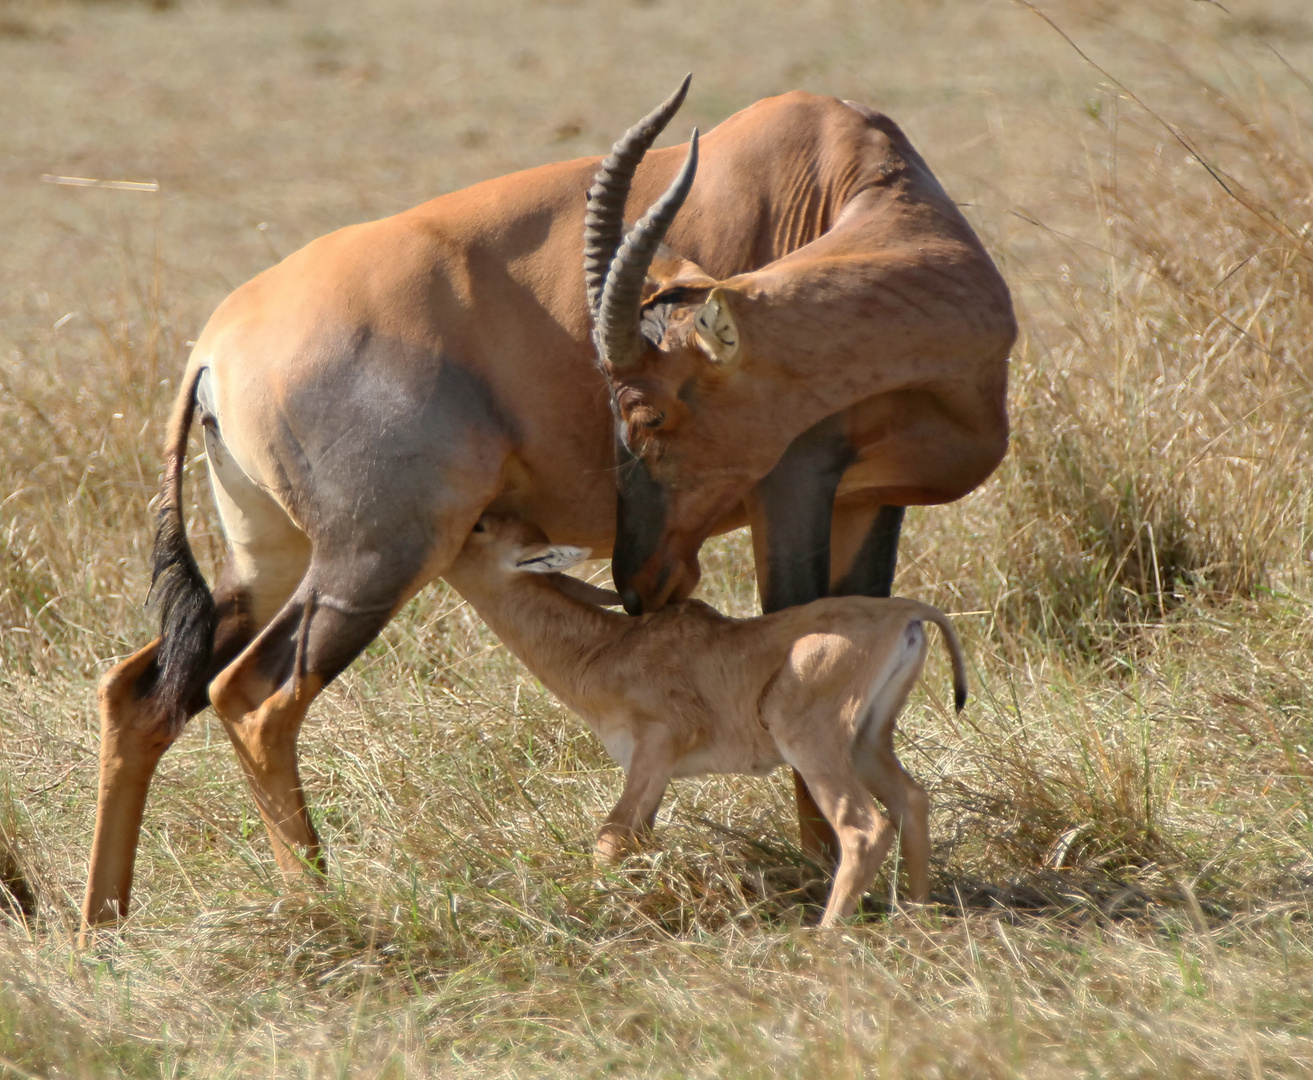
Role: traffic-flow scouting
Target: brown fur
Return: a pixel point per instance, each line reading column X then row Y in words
column 687, row 691
column 365, row 400
column 869, row 297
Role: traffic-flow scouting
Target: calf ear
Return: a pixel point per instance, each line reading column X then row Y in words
column 588, row 593
column 717, row 331
column 550, row 558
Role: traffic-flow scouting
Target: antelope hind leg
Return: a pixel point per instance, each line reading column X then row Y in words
column 265, row 740
column 133, row 738
column 262, row 697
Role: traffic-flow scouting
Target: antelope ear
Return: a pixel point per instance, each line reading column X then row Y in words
column 672, row 271
column 717, row 332
column 550, row 558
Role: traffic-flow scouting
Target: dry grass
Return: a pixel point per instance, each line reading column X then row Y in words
column 1124, row 846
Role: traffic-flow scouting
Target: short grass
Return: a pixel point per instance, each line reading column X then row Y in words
column 1123, row 866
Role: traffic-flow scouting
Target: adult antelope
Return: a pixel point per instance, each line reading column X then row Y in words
column 686, row 691
column 831, row 337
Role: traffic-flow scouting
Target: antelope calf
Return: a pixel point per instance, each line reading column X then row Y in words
column 686, row 690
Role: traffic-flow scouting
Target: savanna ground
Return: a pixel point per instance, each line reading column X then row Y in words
column 1123, row 844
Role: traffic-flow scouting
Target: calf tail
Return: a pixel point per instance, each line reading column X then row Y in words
column 954, row 645
column 178, row 592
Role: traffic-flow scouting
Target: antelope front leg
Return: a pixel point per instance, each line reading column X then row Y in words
column 864, row 549
column 790, row 511
column 645, row 785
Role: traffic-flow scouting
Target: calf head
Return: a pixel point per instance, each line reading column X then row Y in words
column 502, row 545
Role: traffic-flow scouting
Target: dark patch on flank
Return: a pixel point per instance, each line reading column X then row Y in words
column 374, row 442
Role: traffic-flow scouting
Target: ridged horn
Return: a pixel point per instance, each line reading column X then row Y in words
column 616, row 328
column 604, row 222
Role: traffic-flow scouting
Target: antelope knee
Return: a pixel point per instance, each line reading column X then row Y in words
column 231, row 696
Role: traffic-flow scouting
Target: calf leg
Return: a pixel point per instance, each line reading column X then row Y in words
column 648, row 777
column 874, row 760
column 864, row 835
column 808, row 738
column 863, row 554
column 815, row 836
column 909, row 809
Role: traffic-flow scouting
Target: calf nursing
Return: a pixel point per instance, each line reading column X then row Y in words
column 686, row 690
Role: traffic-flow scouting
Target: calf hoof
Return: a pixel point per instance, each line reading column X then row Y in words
column 613, row 844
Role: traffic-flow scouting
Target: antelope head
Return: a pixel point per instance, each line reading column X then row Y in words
column 694, row 405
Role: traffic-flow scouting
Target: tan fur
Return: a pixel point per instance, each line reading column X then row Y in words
column 365, row 400
column 687, row 691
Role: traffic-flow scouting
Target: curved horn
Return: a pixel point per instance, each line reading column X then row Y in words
column 604, row 225
column 617, row 313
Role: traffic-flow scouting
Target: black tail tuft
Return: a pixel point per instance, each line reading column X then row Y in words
column 954, row 646
column 188, row 618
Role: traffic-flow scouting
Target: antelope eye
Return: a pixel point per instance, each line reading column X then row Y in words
column 630, row 400
column 644, row 416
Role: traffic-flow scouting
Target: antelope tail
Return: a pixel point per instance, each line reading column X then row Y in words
column 178, row 592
